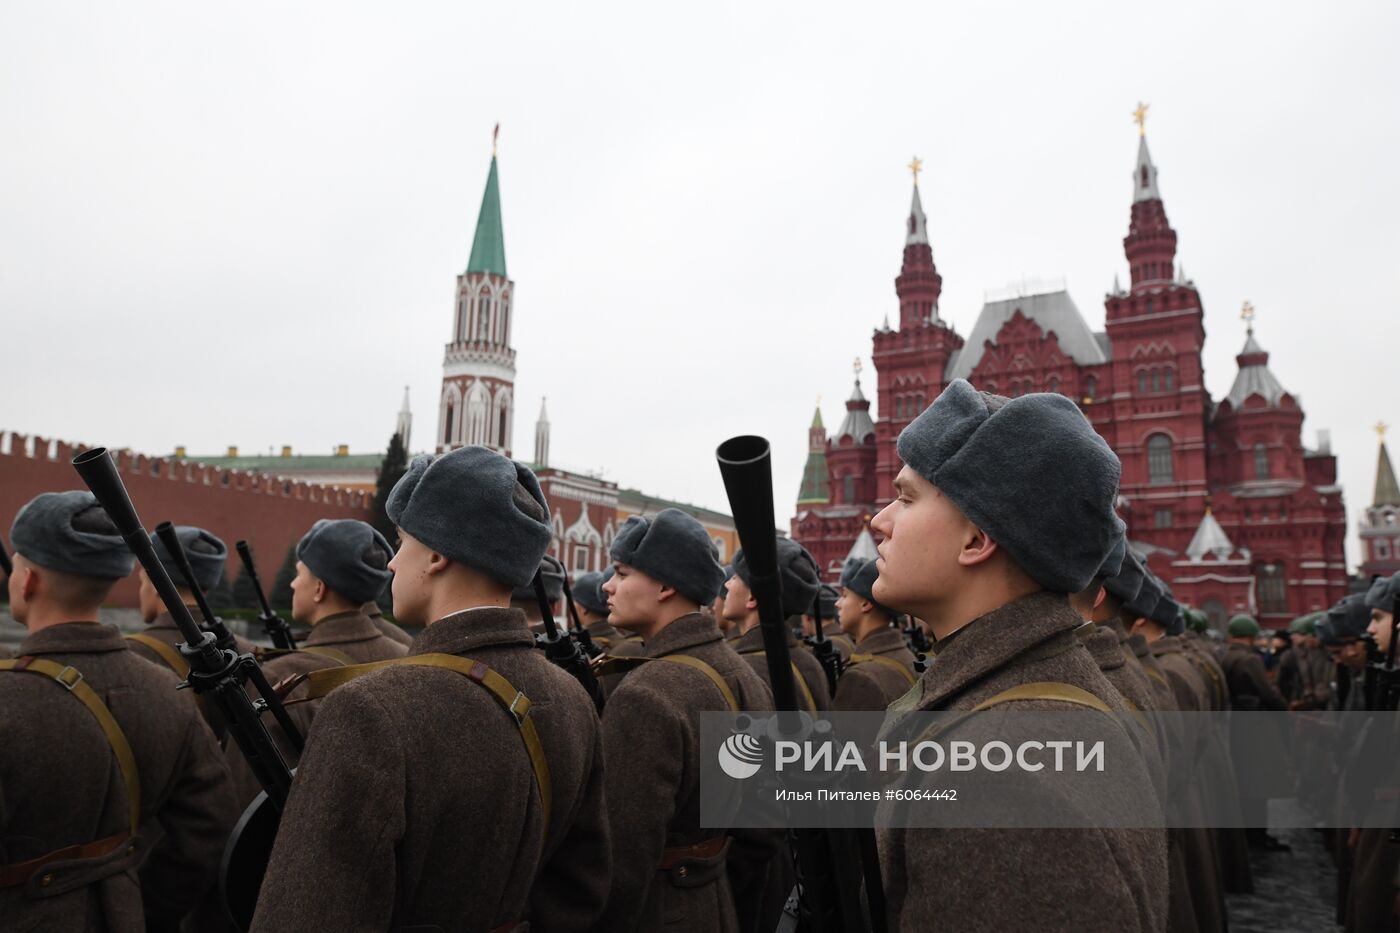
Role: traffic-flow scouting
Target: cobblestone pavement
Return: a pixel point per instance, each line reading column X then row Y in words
column 1294, row 892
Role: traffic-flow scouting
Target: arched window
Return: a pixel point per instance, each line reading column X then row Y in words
column 1091, row 387
column 1159, row 459
column 1143, row 181
column 1156, row 381
column 483, row 317
column 447, row 428
column 849, row 488
column 918, row 403
column 1167, row 379
column 898, row 407
column 1142, row 382
column 1271, row 588
column 1052, row 384
column 1261, row 462
column 501, row 428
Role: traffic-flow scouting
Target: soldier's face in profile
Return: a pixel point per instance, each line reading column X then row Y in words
column 738, row 599
column 848, row 606
column 410, row 568
column 303, row 594
column 923, row 534
column 15, row 589
column 634, row 599
column 1381, row 628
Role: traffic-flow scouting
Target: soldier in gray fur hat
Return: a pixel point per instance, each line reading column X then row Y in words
column 161, row 639
column 881, row 666
column 82, row 828
column 471, row 758
column 1003, row 508
column 524, row 598
column 667, row 868
column 592, row 604
column 800, row 581
column 341, row 565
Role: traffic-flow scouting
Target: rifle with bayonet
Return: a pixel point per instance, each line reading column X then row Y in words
column 563, row 650
column 221, row 675
column 278, row 630
column 830, row 862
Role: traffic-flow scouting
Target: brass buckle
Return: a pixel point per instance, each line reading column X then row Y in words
column 519, row 714
column 69, row 682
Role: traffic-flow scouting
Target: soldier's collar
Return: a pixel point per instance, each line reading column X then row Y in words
column 77, row 637
column 689, row 631
column 474, row 628
column 343, row 627
column 1024, row 626
column 881, row 640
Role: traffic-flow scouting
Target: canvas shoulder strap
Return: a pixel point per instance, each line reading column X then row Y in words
column 1036, row 690
column 165, row 652
column 885, row 661
column 71, row 679
column 796, row 675
column 339, row 657
column 514, row 702
column 613, row 664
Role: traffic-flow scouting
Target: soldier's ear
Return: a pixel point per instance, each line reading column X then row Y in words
column 665, row 593
column 319, row 593
column 977, row 546
column 28, row 582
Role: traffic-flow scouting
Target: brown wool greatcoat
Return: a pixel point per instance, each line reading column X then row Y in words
column 60, row 785
column 874, row 685
column 351, row 634
column 615, row 643
column 651, row 734
column 386, row 628
column 1196, row 900
column 1109, row 879
column 838, row 637
column 750, row 648
column 416, row 807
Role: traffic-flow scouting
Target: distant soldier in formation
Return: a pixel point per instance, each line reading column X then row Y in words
column 1371, row 900
column 593, row 612
column 160, row 640
column 119, row 824
column 831, row 625
column 525, row 598
column 1252, row 741
column 667, row 868
column 1003, row 508
column 800, row 581
column 340, row 566
column 460, row 787
column 881, row 668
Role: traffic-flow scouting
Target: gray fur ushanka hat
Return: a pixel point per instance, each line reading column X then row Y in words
column 207, row 554
column 68, row 532
column 674, row 548
column 349, row 556
column 476, row 507
column 797, row 572
column 1029, row 471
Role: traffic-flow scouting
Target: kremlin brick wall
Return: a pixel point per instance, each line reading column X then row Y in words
column 269, row 513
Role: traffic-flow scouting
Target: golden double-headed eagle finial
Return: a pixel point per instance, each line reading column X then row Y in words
column 916, row 167
column 1140, row 117
column 1381, row 428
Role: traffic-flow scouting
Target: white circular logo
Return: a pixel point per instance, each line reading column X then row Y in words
column 741, row 756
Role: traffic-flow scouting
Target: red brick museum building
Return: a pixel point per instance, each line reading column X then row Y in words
column 1221, row 497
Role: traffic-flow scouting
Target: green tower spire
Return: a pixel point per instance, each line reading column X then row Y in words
column 814, row 474
column 489, row 246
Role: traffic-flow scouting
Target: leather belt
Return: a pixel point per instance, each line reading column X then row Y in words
column 19, row 873
column 674, row 855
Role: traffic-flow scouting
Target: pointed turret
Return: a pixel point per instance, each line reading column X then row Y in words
column 1151, row 242
column 857, row 424
column 404, row 426
column 1387, row 491
column 864, row 547
column 542, row 437
column 919, row 285
column 1254, row 377
column 489, row 244
column 1210, row 538
column 815, row 478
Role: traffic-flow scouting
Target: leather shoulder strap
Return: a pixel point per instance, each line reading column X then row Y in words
column 71, row 679
column 165, row 652
column 339, row 657
column 796, row 675
column 886, row 661
column 319, row 683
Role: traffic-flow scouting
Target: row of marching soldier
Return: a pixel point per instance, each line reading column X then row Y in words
column 459, row 780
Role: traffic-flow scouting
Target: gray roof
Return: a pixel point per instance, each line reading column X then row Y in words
column 864, row 548
column 1053, row 311
column 918, row 223
column 1255, row 378
column 1149, row 191
column 1105, row 345
column 857, row 423
column 1210, row 538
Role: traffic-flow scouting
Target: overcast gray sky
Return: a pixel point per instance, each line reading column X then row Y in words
column 240, row 224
